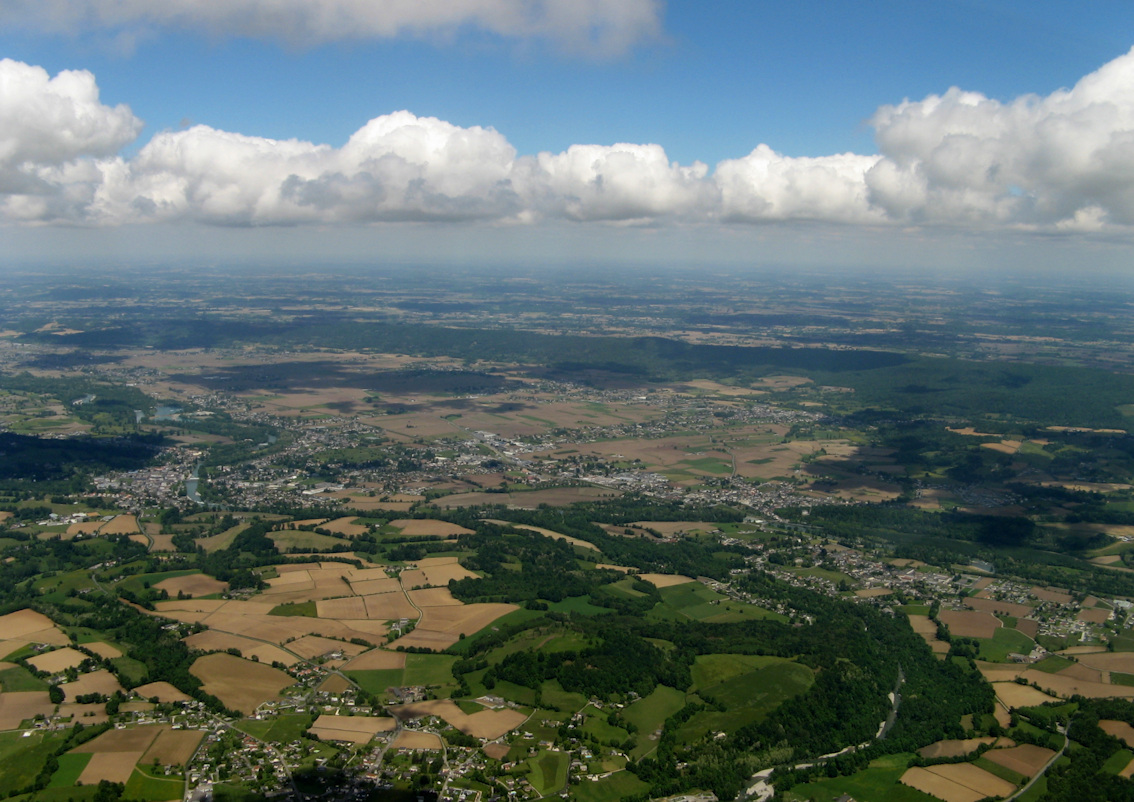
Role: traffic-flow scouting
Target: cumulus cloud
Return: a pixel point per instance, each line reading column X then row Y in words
column 766, row 186
column 46, row 123
column 397, row 167
column 1064, row 161
column 1060, row 163
column 604, row 27
column 621, row 182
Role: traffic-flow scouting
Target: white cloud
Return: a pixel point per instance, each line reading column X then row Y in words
column 1065, row 161
column 396, row 167
column 766, row 186
column 621, row 182
column 603, row 27
column 1060, row 163
column 48, row 122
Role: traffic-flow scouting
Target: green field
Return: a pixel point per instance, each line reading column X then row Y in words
column 579, row 605
column 289, row 727
column 56, row 588
column 555, row 697
column 305, row 609
column 624, row 588
column 511, row 619
column 1118, row 761
column 514, row 693
column 649, row 713
column 1053, row 664
column 699, row 603
column 148, row 788
column 429, row 669
column 617, row 786
column 1000, row 771
column 133, row 671
column 878, row 783
column 748, row 696
column 549, row 771
column 765, row 688
column 137, row 583
column 304, row 541
column 23, row 758
column 713, row 669
column 254, row 727
column 1004, row 642
column 597, row 725
column 71, row 765
column 914, row 609
column 377, row 680
column 18, row 679
column 79, row 793
column 708, row 465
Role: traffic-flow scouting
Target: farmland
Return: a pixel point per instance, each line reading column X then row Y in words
column 240, row 684
column 622, row 550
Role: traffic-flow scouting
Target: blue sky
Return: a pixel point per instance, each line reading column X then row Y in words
column 708, row 82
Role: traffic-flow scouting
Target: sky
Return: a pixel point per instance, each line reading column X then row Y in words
column 957, row 133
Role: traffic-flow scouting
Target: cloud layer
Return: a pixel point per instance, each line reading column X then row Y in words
column 1064, row 162
column 602, row 27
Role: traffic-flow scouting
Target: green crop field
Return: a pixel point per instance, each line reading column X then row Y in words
column 713, row 669
column 305, row 609
column 78, row 793
column 514, row 693
column 555, row 697
column 137, row 583
column 290, row 727
column 1053, row 664
column 429, row 669
column 23, row 758
column 747, row 695
column 549, row 771
column 878, row 783
column 1118, row 761
column 376, row 681
column 18, row 679
column 71, row 765
column 597, row 726
column 1004, row 642
column 625, row 588
column 649, row 713
column 512, row 618
column 56, row 588
column 257, row 729
column 708, row 465
column 306, row 541
column 149, row 788
column 580, row 605
column 617, row 786
column 766, row 688
column 132, row 670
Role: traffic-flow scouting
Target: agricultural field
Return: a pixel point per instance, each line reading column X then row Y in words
column 649, row 713
column 957, row 782
column 832, row 467
column 240, row 684
column 353, row 729
column 485, row 723
column 880, row 781
column 192, row 585
column 23, row 758
column 614, row 786
column 548, row 771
